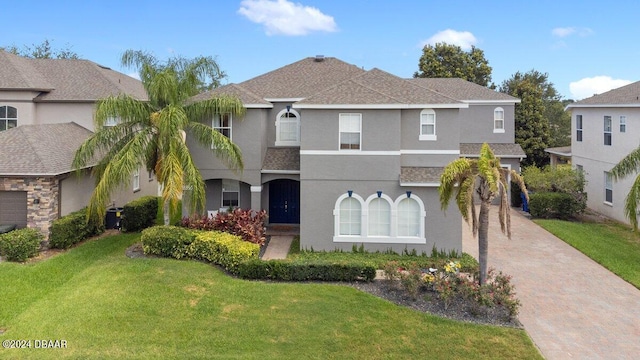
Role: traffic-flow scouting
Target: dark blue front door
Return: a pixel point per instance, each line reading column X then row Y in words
column 284, row 202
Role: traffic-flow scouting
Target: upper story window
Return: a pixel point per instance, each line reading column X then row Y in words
column 428, row 125
column 8, row 117
column 623, row 123
column 111, row 121
column 578, row 127
column 288, row 128
column 607, row 130
column 498, row 120
column 222, row 124
column 350, row 131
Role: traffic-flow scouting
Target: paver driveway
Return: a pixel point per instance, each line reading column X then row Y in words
column 572, row 307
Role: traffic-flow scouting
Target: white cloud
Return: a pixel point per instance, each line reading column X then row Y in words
column 588, row 87
column 282, row 17
column 464, row 39
column 568, row 31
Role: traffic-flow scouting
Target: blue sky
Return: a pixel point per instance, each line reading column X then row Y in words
column 586, row 47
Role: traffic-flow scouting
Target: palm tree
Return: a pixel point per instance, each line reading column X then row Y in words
column 463, row 178
column 152, row 133
column 630, row 164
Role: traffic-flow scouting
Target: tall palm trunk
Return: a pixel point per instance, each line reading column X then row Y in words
column 483, row 239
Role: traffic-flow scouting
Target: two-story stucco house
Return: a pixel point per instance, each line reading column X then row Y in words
column 354, row 156
column 605, row 128
column 46, row 112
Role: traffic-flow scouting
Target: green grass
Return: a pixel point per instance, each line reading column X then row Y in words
column 613, row 245
column 106, row 305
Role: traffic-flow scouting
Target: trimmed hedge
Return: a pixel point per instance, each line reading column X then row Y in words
column 285, row 270
column 167, row 241
column 71, row 229
column 549, row 205
column 19, row 245
column 226, row 250
column 139, row 214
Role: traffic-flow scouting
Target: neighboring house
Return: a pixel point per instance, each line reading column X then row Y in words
column 355, row 156
column 605, row 128
column 46, row 112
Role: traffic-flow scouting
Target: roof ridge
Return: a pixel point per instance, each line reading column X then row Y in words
column 401, row 101
column 416, row 84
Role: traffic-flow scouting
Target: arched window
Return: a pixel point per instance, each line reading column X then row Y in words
column 379, row 212
column 428, row 125
column 410, row 216
column 8, row 117
column 288, row 128
column 498, row 120
column 348, row 216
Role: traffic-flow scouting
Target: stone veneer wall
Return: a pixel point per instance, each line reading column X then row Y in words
column 39, row 216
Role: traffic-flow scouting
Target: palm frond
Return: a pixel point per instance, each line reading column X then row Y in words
column 628, row 165
column 631, row 203
column 453, row 174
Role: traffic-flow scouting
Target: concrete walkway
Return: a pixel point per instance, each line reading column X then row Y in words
column 278, row 247
column 572, row 307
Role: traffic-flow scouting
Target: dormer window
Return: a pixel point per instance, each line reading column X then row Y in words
column 8, row 117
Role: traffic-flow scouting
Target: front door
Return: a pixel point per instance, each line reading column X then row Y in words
column 284, row 202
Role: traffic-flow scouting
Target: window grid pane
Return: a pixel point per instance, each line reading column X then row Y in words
column 379, row 218
column 608, row 187
column 8, row 117
column 623, row 124
column 350, row 129
column 222, row 124
column 498, row 119
column 408, row 218
column 350, row 213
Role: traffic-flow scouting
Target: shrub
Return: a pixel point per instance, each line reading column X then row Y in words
column 71, row 229
column 246, row 223
column 554, row 205
column 224, row 249
column 559, row 179
column 140, row 214
column 19, row 245
column 286, row 270
column 167, row 241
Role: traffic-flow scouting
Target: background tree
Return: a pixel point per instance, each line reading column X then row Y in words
column 43, row 50
column 464, row 179
column 531, row 125
column 559, row 123
column 152, row 133
column 629, row 165
column 450, row 61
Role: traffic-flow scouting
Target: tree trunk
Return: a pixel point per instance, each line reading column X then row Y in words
column 483, row 240
column 166, row 212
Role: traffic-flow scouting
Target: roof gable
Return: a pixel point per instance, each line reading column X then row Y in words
column 18, row 73
column 46, row 149
column 626, row 95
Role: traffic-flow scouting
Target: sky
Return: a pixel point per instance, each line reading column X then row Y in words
column 585, row 47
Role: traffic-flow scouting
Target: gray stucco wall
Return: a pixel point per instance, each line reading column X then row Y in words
column 477, row 124
column 317, row 219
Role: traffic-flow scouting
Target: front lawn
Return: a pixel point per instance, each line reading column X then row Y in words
column 106, row 305
column 611, row 244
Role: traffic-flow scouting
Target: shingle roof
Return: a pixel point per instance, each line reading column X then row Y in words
column 461, row 89
column 247, row 97
column 66, row 79
column 377, row 87
column 282, row 159
column 420, row 175
column 625, row 95
column 562, row 150
column 302, row 78
column 17, row 72
column 499, row 149
column 46, row 149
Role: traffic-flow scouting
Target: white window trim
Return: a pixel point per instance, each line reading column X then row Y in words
column 287, row 143
column 623, row 124
column 136, row 180
column 579, row 129
column 230, row 127
column 605, row 132
column 366, row 215
column 428, row 137
column 605, row 188
column 497, row 130
column 340, row 133
column 223, row 191
column 364, row 222
column 6, row 119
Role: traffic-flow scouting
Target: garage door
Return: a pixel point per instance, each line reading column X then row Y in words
column 13, row 208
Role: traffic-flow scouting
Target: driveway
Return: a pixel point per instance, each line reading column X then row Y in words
column 572, row 307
